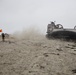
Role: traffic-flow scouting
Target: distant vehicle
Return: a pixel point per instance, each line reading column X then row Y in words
column 58, row 31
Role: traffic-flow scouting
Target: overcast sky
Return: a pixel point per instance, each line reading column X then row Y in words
column 21, row 14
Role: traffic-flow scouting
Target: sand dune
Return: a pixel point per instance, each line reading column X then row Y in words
column 30, row 53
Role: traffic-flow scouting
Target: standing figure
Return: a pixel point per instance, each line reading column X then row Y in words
column 3, row 37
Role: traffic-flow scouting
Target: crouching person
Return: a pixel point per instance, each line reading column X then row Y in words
column 3, row 37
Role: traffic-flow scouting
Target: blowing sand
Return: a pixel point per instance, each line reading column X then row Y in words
column 30, row 53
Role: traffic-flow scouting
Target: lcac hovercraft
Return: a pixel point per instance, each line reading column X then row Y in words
column 59, row 32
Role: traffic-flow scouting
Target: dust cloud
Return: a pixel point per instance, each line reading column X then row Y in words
column 29, row 34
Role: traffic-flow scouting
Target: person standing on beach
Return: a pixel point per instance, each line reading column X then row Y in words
column 3, row 37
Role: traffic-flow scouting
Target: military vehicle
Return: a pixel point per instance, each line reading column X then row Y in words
column 58, row 31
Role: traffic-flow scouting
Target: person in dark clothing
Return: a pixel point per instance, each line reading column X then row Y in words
column 3, row 37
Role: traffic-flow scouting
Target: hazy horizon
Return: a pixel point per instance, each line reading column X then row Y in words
column 18, row 15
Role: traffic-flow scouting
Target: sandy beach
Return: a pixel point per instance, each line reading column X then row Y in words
column 34, row 54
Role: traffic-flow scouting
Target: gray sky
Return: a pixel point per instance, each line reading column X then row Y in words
column 21, row 14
